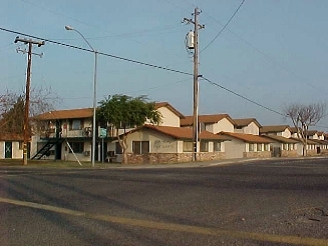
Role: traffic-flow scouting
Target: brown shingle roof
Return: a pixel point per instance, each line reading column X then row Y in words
column 311, row 132
column 66, row 114
column 248, row 138
column 246, row 122
column 88, row 113
column 280, row 139
column 324, row 142
column 11, row 137
column 211, row 118
column 293, row 129
column 181, row 133
column 276, row 128
column 309, row 141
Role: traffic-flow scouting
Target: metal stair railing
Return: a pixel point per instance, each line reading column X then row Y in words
column 44, row 150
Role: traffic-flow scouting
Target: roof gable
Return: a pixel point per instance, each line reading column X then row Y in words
column 246, row 122
column 170, row 107
column 211, row 118
column 274, row 128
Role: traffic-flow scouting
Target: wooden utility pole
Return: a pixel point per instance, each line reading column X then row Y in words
column 26, row 128
column 197, row 26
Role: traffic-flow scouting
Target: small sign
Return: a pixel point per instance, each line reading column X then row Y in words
column 103, row 133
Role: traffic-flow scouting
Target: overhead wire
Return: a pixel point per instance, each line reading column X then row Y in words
column 98, row 52
column 142, row 63
column 139, row 33
column 156, row 87
column 268, row 57
column 224, row 27
column 125, row 36
column 147, row 64
column 243, row 97
column 144, row 89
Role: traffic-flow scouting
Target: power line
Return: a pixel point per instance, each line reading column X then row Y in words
column 127, row 35
column 138, row 33
column 141, row 63
column 144, row 89
column 124, row 36
column 268, row 57
column 100, row 53
column 224, row 27
column 243, row 97
column 156, row 87
column 174, row 4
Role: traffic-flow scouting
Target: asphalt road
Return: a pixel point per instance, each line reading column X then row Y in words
column 272, row 202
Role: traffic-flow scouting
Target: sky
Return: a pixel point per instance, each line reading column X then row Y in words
column 272, row 52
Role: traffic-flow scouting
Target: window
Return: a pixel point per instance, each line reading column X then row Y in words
column 140, row 147
column 77, row 147
column 251, row 147
column 118, row 148
column 76, row 125
column 136, row 147
column 202, row 127
column 204, row 146
column 259, row 147
column 286, row 147
column 145, row 147
column 266, row 147
column 187, row 146
column 217, row 146
column 20, row 145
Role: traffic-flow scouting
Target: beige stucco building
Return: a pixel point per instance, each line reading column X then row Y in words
column 166, row 144
column 67, row 135
column 283, row 145
column 246, row 145
column 11, row 146
column 247, row 126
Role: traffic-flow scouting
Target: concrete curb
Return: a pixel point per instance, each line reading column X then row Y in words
column 210, row 163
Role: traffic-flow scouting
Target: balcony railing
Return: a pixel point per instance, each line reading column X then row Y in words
column 86, row 132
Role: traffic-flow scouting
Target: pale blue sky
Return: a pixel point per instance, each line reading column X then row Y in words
column 273, row 52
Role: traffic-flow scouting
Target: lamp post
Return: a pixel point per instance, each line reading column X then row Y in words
column 93, row 154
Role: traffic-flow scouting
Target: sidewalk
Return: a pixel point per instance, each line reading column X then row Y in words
column 178, row 165
column 98, row 165
column 199, row 163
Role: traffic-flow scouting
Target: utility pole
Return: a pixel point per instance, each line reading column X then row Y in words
column 194, row 46
column 26, row 131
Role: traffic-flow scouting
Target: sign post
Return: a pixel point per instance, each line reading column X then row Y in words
column 102, row 135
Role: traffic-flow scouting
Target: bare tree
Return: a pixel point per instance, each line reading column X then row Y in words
column 304, row 116
column 12, row 107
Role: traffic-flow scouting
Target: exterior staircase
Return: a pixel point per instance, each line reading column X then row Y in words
column 44, row 150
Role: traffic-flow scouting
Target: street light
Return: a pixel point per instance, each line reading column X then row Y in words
column 93, row 154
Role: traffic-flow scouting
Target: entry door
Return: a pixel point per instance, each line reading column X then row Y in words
column 8, row 150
